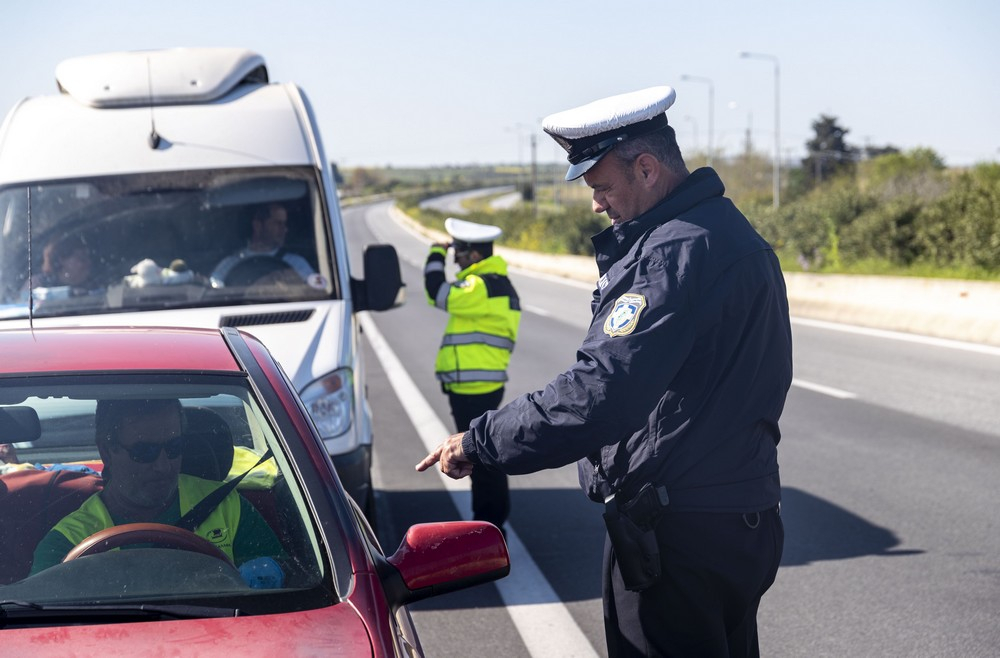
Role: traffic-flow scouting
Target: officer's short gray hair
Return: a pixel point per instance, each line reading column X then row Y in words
column 661, row 144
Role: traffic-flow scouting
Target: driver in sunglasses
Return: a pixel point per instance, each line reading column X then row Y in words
column 140, row 443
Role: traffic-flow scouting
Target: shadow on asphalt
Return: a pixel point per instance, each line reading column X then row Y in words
column 564, row 535
column 562, row 531
column 817, row 530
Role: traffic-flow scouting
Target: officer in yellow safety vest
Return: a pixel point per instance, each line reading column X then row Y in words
column 140, row 443
column 483, row 316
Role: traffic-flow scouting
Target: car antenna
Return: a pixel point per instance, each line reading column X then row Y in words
column 31, row 291
column 154, row 137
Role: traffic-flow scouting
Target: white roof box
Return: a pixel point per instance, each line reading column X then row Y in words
column 158, row 77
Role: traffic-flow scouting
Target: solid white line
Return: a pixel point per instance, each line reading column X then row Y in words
column 545, row 276
column 544, row 623
column 825, row 390
column 530, row 308
column 899, row 335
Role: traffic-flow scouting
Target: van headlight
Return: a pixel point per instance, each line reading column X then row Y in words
column 330, row 402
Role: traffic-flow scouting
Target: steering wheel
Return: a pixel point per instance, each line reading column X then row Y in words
column 146, row 533
column 251, row 270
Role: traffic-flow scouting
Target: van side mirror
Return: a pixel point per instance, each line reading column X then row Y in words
column 382, row 287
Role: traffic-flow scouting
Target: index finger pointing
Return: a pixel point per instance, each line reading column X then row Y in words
column 429, row 460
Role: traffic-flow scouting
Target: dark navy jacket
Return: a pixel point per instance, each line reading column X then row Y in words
column 683, row 374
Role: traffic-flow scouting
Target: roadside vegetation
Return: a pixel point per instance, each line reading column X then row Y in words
column 843, row 209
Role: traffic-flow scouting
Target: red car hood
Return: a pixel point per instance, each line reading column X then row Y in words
column 333, row 631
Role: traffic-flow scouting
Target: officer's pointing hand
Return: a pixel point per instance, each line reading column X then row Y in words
column 452, row 458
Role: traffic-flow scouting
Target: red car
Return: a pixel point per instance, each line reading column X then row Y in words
column 223, row 529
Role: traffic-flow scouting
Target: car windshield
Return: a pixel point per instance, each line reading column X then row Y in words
column 142, row 242
column 172, row 439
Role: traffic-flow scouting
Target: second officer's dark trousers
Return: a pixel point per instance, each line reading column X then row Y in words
column 490, row 491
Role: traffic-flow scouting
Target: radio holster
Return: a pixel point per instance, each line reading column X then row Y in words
column 631, row 527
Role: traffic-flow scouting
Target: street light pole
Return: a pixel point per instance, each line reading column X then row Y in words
column 777, row 122
column 694, row 124
column 711, row 108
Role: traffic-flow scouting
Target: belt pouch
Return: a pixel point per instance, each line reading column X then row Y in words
column 636, row 550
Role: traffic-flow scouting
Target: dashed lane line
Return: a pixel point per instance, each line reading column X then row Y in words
column 543, row 621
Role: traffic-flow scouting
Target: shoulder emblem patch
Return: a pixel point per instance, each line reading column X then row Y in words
column 625, row 315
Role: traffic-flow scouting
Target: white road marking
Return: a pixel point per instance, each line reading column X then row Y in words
column 530, row 308
column 825, row 390
column 899, row 335
column 545, row 276
column 544, row 623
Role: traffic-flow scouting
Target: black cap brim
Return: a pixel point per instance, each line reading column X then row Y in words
column 583, row 166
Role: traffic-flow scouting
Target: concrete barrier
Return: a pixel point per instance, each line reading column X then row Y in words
column 943, row 308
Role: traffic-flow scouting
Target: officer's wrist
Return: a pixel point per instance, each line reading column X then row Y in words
column 469, row 448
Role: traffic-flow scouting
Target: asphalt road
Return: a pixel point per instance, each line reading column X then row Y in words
column 890, row 459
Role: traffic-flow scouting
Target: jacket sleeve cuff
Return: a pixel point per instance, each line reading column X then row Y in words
column 469, row 448
column 437, row 251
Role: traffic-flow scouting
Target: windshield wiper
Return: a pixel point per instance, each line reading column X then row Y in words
column 20, row 611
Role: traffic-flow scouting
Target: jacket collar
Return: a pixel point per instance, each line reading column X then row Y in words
column 490, row 265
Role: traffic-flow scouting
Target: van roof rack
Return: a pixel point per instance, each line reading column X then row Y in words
column 159, row 77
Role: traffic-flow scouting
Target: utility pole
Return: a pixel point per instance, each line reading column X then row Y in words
column 777, row 122
column 711, row 108
column 534, row 177
column 748, row 148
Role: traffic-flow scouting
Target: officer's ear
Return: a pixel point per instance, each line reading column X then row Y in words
column 648, row 169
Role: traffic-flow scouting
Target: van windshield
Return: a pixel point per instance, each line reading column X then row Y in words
column 142, row 242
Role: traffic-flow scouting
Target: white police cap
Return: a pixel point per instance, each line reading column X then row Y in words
column 590, row 131
column 470, row 232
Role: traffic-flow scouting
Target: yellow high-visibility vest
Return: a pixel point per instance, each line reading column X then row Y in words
column 219, row 528
column 483, row 317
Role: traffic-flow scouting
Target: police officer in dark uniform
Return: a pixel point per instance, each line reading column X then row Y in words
column 672, row 407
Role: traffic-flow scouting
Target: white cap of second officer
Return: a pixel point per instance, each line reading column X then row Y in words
column 470, row 232
column 590, row 131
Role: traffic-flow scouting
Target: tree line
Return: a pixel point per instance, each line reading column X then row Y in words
column 844, row 209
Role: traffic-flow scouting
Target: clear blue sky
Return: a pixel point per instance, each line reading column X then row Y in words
column 433, row 82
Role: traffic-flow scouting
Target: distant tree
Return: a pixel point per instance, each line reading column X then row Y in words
column 872, row 152
column 919, row 173
column 829, row 153
column 365, row 181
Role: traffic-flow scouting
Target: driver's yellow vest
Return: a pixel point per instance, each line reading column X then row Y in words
column 219, row 528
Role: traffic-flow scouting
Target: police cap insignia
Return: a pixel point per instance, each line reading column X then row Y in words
column 589, row 132
column 625, row 315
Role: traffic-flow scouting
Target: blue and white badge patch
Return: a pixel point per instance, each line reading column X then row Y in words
column 625, row 315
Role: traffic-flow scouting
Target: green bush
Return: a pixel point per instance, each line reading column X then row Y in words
column 963, row 227
column 898, row 213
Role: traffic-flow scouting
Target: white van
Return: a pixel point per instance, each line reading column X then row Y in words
column 181, row 187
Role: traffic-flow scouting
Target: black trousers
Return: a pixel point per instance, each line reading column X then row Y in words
column 490, row 490
column 715, row 569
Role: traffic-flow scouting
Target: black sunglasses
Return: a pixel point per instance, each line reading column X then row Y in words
column 147, row 453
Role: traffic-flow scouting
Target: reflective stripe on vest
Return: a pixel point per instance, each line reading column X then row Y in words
column 458, row 376
column 478, row 338
column 441, row 301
